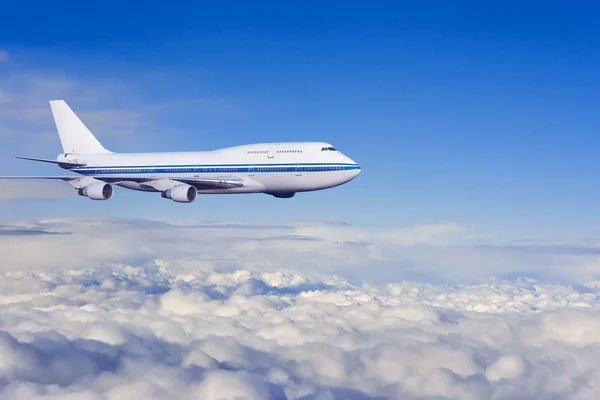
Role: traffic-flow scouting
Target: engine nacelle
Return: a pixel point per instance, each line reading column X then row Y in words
column 97, row 191
column 181, row 193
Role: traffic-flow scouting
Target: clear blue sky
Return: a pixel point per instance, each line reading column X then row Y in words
column 469, row 112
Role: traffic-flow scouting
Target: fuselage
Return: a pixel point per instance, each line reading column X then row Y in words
column 280, row 169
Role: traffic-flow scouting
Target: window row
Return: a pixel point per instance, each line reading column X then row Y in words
column 278, row 151
column 232, row 169
column 104, row 171
column 323, row 168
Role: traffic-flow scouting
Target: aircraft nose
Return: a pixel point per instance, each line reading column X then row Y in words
column 354, row 171
column 353, row 167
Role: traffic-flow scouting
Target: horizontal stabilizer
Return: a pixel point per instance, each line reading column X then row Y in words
column 61, row 163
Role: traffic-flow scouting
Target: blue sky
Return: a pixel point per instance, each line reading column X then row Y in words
column 475, row 113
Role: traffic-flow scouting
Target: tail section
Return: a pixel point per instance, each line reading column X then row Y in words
column 75, row 137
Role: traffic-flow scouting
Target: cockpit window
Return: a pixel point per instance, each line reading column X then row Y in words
column 328, row 149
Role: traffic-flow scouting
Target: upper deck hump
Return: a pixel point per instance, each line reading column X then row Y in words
column 226, row 154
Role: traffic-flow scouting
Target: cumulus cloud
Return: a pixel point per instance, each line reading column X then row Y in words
column 164, row 331
column 115, row 309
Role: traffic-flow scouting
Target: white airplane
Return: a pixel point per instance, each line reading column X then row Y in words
column 278, row 169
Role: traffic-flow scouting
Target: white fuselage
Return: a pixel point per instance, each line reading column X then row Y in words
column 280, row 169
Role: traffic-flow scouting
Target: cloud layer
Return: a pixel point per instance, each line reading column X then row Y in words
column 447, row 253
column 119, row 309
column 155, row 331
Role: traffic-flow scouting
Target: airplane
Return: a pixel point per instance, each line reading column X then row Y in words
column 277, row 169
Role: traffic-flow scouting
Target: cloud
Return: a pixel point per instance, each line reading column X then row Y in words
column 425, row 233
column 9, row 231
column 115, row 308
column 434, row 253
column 178, row 331
column 3, row 55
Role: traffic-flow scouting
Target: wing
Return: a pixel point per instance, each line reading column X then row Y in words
column 159, row 184
column 223, row 183
column 168, row 182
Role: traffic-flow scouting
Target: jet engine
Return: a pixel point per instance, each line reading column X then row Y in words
column 181, row 193
column 97, row 191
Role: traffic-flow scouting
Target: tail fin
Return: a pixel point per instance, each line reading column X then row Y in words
column 75, row 137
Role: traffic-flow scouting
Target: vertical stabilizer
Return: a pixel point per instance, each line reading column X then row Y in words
column 75, row 137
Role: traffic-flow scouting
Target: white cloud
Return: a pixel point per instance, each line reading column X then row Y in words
column 507, row 367
column 181, row 333
column 112, row 308
column 435, row 254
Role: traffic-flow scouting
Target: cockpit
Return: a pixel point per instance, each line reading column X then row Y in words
column 328, row 149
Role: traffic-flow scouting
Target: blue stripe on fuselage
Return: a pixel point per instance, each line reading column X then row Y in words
column 213, row 165
column 215, row 168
